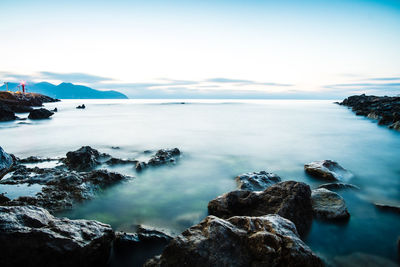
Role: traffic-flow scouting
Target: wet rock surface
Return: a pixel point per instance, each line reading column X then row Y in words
column 291, row 200
column 358, row 259
column 6, row 113
column 338, row 186
column 328, row 205
column 385, row 109
column 6, row 161
column 31, row 236
column 162, row 157
column 327, row 170
column 256, row 181
column 386, row 207
column 238, row 241
column 84, row 159
column 40, row 114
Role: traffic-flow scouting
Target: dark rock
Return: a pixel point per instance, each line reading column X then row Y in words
column 21, row 108
column 238, row 241
column 144, row 236
column 55, row 110
column 395, row 126
column 33, row 159
column 115, row 147
column 81, row 106
column 3, row 199
column 117, row 161
column 390, row 208
column 162, row 157
column 6, row 162
column 338, row 186
column 327, row 170
column 31, row 236
column 6, row 114
column 140, row 166
column 256, row 181
column 83, row 159
column 358, row 259
column 291, row 200
column 39, row 114
column 328, row 205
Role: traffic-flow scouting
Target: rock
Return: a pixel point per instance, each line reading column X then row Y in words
column 256, row 181
column 238, row 241
column 31, row 236
column 33, row 159
column 338, row 186
column 144, row 236
column 55, row 110
column 327, row 170
column 358, row 259
column 395, row 126
column 3, row 199
column 83, row 159
column 163, row 156
column 390, row 208
column 6, row 114
column 39, row 114
column 117, row 161
column 291, row 200
column 6, row 162
column 328, row 205
column 81, row 106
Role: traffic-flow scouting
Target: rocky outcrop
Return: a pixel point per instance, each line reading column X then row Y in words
column 162, row 157
column 31, row 236
column 6, row 113
column 358, row 259
column 291, row 200
column 385, row 109
column 256, row 181
column 6, row 162
column 390, row 208
column 83, row 159
column 328, row 205
column 338, row 186
column 39, row 114
column 118, row 161
column 238, row 241
column 81, row 106
column 327, row 170
column 3, row 199
column 62, row 189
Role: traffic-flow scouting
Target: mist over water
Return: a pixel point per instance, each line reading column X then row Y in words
column 220, row 139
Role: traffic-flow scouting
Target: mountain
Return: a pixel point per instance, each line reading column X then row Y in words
column 67, row 91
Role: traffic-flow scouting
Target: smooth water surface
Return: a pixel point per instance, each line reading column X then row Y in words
column 220, row 139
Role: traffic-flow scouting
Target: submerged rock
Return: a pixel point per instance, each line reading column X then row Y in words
column 6, row 162
column 291, row 200
column 39, row 114
column 328, row 205
column 338, row 186
column 238, row 241
column 256, row 181
column 390, row 208
column 83, row 159
column 163, row 156
column 358, row 259
column 31, row 236
column 327, row 170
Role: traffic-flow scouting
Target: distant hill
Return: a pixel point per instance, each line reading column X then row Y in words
column 67, row 91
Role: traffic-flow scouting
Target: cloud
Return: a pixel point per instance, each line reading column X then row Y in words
column 384, row 79
column 75, row 77
column 244, row 82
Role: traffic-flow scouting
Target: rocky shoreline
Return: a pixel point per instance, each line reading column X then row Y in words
column 384, row 109
column 11, row 103
column 262, row 223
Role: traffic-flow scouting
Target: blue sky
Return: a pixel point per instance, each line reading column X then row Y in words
column 207, row 48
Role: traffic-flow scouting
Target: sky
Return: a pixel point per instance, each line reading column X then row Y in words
column 207, row 49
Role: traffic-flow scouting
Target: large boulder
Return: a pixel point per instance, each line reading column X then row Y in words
column 6, row 113
column 39, row 114
column 327, row 170
column 328, row 205
column 256, row 181
column 6, row 162
column 83, row 159
column 31, row 236
column 291, row 200
column 238, row 241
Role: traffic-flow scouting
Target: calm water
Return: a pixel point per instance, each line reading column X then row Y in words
column 219, row 140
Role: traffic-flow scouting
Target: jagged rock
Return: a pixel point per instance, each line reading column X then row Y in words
column 328, row 205
column 83, row 159
column 31, row 236
column 6, row 162
column 338, row 186
column 327, row 170
column 3, row 199
column 238, row 241
column 291, row 200
column 256, row 181
column 6, row 114
column 81, row 106
column 358, row 259
column 41, row 113
column 55, row 110
column 386, row 207
column 163, row 156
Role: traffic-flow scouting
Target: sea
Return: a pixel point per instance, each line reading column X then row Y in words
column 220, row 139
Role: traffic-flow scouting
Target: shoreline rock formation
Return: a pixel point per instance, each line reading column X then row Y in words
column 384, row 109
column 255, row 181
column 328, row 205
column 327, row 170
column 6, row 162
column 162, row 157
